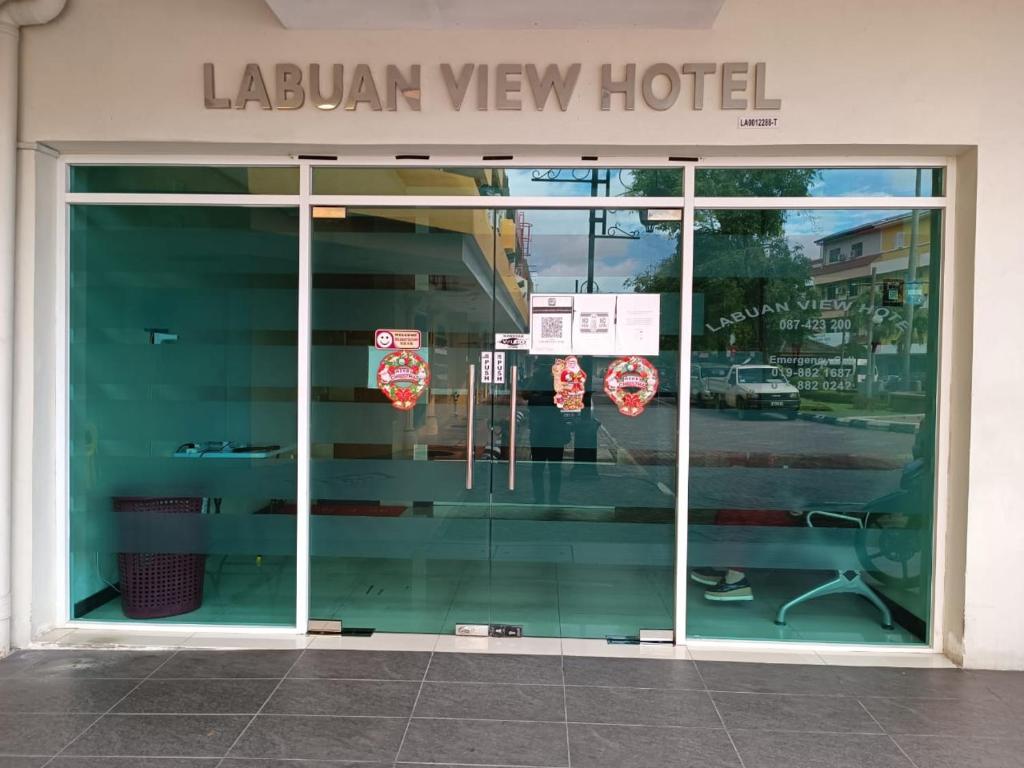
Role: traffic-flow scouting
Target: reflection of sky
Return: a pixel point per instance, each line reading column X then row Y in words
column 572, row 182
column 558, row 254
column 870, row 182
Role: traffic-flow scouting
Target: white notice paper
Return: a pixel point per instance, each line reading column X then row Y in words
column 550, row 324
column 486, row 367
column 593, row 324
column 499, row 367
column 638, row 317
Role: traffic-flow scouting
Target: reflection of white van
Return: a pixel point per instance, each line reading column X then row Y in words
column 700, row 392
column 755, row 388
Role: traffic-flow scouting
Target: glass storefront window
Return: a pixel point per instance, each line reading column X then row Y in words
column 819, row 182
column 186, row 179
column 812, row 429
column 499, row 182
column 183, row 354
column 813, row 378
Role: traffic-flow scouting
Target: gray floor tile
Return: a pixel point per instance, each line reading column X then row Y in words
column 789, row 712
column 245, row 762
column 134, row 762
column 36, row 663
column 632, row 673
column 924, row 683
column 765, row 749
column 362, row 665
column 1008, row 686
column 192, row 664
column 7, row 761
column 61, row 694
column 769, row 678
column 225, row 697
column 495, row 668
column 948, row 717
column 623, row 746
column 485, row 742
column 960, row 751
column 40, row 734
column 376, row 698
column 160, row 735
column 491, row 701
column 322, row 738
column 635, row 706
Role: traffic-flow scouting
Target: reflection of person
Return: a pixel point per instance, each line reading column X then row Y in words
column 548, row 434
column 731, row 584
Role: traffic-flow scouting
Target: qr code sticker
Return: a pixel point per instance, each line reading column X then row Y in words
column 551, row 327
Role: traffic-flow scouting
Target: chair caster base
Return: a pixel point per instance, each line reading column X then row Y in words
column 779, row 623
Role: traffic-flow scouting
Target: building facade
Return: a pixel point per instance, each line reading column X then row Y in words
column 383, row 320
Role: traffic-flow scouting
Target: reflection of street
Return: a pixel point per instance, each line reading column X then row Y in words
column 764, row 463
column 712, row 430
column 652, row 434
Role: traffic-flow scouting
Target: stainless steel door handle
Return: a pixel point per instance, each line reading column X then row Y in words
column 469, row 426
column 512, row 430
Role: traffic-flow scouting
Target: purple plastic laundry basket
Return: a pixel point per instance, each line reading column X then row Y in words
column 157, row 585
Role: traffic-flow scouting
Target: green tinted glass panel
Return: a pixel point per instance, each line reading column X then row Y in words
column 819, row 182
column 402, row 539
column 812, row 429
column 186, row 179
column 183, row 413
column 519, row 182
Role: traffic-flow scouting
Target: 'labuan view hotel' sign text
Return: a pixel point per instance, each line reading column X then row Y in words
column 483, row 87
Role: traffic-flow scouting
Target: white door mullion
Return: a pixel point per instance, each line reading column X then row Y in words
column 683, row 437
column 305, row 337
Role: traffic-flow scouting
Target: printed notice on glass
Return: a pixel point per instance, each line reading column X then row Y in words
column 637, row 323
column 593, row 324
column 550, row 324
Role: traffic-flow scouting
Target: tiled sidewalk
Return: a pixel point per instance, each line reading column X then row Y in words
column 295, row 708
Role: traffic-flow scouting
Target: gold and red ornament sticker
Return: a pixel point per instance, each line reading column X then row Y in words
column 403, row 376
column 631, row 383
column 570, row 384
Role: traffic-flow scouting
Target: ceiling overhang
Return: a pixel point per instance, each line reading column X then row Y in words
column 489, row 14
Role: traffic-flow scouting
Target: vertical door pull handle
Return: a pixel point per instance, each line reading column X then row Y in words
column 512, row 430
column 469, row 426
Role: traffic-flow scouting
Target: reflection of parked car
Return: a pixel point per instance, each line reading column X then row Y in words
column 755, row 388
column 700, row 393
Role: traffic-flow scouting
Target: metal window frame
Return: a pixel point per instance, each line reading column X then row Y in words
column 304, row 201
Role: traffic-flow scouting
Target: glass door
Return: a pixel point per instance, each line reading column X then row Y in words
column 463, row 475
column 403, row 305
column 583, row 528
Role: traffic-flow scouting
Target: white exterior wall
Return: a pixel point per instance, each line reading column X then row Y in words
column 857, row 78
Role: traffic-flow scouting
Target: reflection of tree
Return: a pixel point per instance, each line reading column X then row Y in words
column 742, row 259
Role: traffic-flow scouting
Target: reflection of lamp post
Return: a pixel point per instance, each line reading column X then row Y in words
column 596, row 217
column 870, row 374
column 908, row 309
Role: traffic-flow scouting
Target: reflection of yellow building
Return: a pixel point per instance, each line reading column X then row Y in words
column 847, row 258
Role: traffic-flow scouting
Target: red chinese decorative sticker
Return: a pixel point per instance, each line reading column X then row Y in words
column 570, row 383
column 402, row 376
column 631, row 383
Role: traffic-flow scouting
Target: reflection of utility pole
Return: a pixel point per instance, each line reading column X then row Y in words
column 908, row 306
column 592, row 231
column 870, row 374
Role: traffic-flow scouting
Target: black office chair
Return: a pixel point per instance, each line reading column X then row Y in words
column 904, row 501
